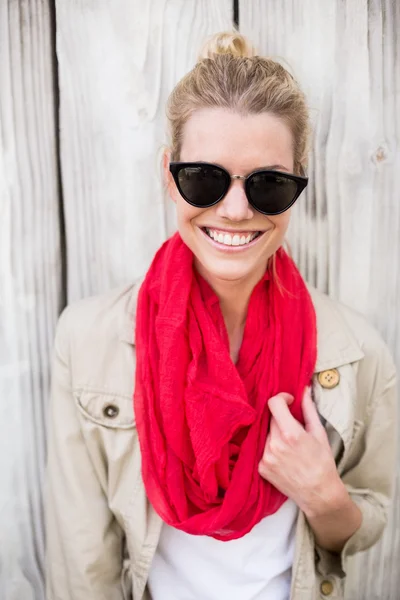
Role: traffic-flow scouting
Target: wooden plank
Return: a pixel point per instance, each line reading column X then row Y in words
column 30, row 285
column 345, row 231
column 118, row 61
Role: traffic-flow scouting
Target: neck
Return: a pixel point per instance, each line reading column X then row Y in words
column 234, row 297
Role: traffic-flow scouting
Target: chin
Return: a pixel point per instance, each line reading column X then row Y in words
column 229, row 270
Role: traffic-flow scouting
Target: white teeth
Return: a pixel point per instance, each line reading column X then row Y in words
column 230, row 240
column 236, row 240
column 227, row 239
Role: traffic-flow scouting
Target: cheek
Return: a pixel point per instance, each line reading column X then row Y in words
column 186, row 214
column 281, row 222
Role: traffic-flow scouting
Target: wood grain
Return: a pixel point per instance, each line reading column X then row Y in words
column 30, row 286
column 344, row 231
column 118, row 61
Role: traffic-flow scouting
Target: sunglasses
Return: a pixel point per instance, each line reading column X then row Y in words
column 204, row 184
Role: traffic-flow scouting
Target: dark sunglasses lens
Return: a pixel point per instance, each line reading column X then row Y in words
column 202, row 185
column 270, row 193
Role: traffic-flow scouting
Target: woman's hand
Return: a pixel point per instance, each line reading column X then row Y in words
column 298, row 460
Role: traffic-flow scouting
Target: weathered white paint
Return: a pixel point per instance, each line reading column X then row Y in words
column 30, row 293
column 118, row 60
column 345, row 231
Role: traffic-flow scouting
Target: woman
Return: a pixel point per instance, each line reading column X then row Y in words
column 261, row 453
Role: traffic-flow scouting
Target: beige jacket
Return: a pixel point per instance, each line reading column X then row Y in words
column 101, row 531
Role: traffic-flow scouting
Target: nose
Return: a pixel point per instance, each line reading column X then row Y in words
column 235, row 205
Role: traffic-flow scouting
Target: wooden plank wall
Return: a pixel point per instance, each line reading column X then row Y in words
column 30, row 285
column 116, row 62
column 345, row 232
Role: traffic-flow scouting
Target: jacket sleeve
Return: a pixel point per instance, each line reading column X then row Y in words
column 370, row 482
column 84, row 542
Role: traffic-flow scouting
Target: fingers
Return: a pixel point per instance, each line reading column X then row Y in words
column 289, row 428
column 269, row 459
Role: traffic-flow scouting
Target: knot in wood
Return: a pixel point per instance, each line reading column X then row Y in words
column 380, row 154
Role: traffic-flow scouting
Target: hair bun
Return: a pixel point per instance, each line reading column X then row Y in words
column 227, row 42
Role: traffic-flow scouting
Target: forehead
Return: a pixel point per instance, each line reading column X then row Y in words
column 239, row 143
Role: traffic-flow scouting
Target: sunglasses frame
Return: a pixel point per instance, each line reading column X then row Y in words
column 175, row 167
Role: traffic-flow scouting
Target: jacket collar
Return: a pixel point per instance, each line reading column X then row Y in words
column 336, row 344
column 127, row 330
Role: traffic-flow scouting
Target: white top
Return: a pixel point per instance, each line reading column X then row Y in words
column 257, row 566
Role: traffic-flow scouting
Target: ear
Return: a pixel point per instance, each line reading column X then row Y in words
column 168, row 179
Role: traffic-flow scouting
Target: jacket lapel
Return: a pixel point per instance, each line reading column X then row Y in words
column 337, row 349
column 336, row 344
column 127, row 325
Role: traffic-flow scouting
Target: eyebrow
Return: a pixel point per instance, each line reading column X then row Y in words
column 274, row 168
column 262, row 168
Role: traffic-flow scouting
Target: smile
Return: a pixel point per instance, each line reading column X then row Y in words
column 227, row 239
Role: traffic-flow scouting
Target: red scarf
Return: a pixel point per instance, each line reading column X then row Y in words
column 203, row 421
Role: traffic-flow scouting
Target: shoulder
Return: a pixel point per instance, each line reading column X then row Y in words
column 95, row 336
column 100, row 313
column 347, row 336
column 329, row 310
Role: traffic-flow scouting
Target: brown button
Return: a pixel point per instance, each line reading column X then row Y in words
column 329, row 379
column 111, row 411
column 326, row 587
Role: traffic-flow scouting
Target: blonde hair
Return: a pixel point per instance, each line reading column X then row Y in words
column 229, row 74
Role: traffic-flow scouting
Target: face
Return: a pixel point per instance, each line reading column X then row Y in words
column 240, row 144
